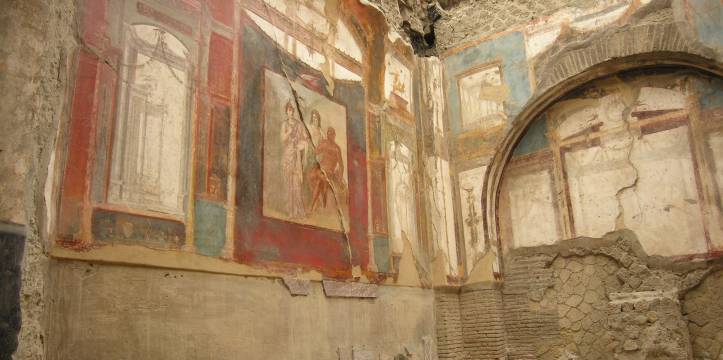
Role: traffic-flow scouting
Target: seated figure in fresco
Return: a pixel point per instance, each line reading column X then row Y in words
column 329, row 170
column 294, row 142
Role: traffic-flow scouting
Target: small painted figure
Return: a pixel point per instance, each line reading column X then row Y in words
column 316, row 136
column 315, row 128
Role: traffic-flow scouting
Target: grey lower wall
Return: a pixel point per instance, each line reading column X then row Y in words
column 100, row 311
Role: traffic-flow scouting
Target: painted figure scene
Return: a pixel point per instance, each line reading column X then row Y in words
column 305, row 156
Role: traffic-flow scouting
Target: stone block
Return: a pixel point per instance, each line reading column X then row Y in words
column 297, row 286
column 352, row 290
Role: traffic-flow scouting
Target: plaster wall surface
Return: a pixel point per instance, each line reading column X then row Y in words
column 119, row 312
column 37, row 40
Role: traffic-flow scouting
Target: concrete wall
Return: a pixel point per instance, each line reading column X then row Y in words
column 119, row 312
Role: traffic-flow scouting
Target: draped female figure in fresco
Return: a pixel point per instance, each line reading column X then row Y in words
column 294, row 142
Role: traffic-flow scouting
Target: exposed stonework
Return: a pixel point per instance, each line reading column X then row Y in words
column 450, row 344
column 482, row 323
column 579, row 55
column 580, row 294
column 585, row 299
column 532, row 330
column 414, row 20
column 703, row 308
column 468, row 20
column 646, row 325
column 608, row 297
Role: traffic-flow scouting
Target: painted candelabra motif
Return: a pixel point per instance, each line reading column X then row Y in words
column 470, row 195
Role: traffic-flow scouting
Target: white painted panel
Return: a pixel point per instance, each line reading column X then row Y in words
column 715, row 143
column 401, row 199
column 594, row 176
column 345, row 42
column 663, row 208
column 532, row 209
column 148, row 162
column 442, row 211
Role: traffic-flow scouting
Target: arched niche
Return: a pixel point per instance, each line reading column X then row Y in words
column 550, row 95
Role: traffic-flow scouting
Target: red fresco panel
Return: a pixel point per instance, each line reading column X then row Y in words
column 83, row 111
column 95, row 23
column 379, row 198
column 220, row 63
column 222, row 10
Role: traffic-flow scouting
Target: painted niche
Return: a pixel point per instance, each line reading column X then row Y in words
column 149, row 166
column 637, row 151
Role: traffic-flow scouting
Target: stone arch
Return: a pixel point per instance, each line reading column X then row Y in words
column 666, row 42
column 572, row 74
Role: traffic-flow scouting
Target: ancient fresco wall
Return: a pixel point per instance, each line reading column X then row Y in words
column 631, row 151
column 496, row 61
column 271, row 139
column 279, row 135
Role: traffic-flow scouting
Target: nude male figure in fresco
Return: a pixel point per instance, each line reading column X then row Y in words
column 293, row 143
column 328, row 154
